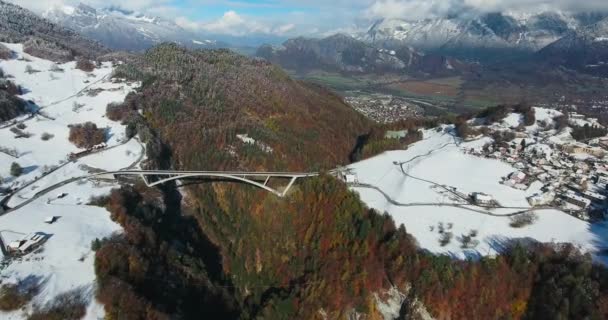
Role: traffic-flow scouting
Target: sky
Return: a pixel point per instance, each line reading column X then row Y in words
column 310, row 17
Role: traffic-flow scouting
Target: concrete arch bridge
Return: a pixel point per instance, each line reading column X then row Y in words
column 257, row 179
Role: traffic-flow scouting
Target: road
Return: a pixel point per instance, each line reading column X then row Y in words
column 454, row 205
column 5, row 201
column 3, row 247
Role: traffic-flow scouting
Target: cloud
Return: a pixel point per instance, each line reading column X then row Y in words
column 234, row 24
column 423, row 9
column 284, row 28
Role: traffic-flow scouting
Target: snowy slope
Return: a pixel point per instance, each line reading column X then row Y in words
column 423, row 205
column 66, row 260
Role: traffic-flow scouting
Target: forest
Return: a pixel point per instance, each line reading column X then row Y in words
column 227, row 250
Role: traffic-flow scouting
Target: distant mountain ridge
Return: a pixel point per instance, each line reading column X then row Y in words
column 584, row 50
column 343, row 53
column 124, row 30
column 478, row 37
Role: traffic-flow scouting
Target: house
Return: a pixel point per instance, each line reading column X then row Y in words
column 518, row 176
column 541, row 199
column 28, row 243
column 576, row 116
column 482, row 198
column 350, row 178
column 51, row 219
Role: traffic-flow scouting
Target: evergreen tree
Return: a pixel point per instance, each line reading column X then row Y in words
column 16, row 169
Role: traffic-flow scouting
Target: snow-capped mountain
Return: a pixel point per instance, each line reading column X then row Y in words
column 123, row 30
column 476, row 36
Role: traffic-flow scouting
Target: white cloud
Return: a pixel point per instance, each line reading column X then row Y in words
column 284, row 28
column 234, row 24
column 421, row 9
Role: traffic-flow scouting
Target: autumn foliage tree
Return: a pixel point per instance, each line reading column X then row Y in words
column 86, row 135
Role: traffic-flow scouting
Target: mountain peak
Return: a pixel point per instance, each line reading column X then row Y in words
column 86, row 8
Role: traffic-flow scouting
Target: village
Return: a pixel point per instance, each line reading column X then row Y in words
column 573, row 174
column 383, row 108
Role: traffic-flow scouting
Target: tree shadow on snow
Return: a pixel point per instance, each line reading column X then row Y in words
column 29, row 169
column 600, row 241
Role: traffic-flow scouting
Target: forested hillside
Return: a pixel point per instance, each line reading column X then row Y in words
column 317, row 253
column 206, row 98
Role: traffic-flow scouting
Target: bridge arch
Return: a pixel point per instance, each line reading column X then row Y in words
column 219, row 175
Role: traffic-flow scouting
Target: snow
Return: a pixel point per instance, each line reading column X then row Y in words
column 65, row 260
column 600, row 39
column 245, row 138
column 57, row 99
column 68, row 10
column 58, row 265
column 439, row 160
column 513, row 120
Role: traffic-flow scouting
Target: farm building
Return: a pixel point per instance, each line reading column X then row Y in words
column 27, row 244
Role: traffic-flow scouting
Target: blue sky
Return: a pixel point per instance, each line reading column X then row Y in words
column 287, row 18
column 259, row 8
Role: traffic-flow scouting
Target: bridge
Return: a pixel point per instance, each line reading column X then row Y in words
column 257, row 179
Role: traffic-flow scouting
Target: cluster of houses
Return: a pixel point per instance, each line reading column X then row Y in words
column 574, row 175
column 383, row 108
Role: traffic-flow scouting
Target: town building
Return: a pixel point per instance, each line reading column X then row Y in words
column 594, row 196
column 541, row 199
column 581, row 148
column 575, row 199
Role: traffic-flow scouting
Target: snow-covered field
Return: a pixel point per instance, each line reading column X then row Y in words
column 65, row 261
column 423, row 205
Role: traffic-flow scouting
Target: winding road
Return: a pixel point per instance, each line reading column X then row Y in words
column 454, row 205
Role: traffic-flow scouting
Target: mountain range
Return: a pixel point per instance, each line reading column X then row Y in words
column 124, row 30
column 427, row 46
column 342, row 53
column 480, row 37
